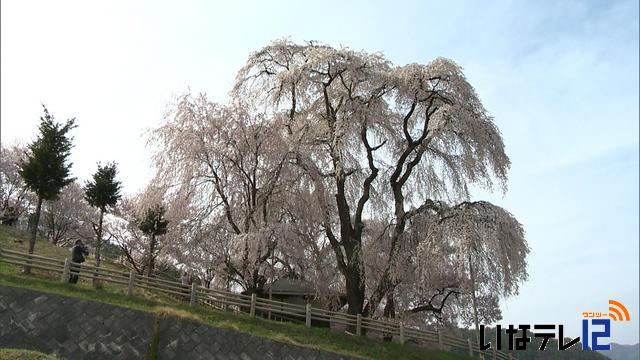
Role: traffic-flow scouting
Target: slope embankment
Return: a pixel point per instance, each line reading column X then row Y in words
column 74, row 328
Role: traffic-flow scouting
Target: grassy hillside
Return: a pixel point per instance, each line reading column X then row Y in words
column 19, row 354
column 14, row 239
column 318, row 338
column 18, row 240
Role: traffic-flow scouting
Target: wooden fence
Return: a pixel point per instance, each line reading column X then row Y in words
column 255, row 306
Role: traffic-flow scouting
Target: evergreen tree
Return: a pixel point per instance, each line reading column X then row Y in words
column 46, row 169
column 102, row 192
column 152, row 224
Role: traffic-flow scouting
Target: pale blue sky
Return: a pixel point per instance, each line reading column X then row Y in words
column 560, row 78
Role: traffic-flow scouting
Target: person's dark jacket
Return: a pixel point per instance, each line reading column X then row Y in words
column 78, row 252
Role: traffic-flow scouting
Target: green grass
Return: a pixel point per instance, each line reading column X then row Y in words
column 19, row 354
column 17, row 240
column 317, row 338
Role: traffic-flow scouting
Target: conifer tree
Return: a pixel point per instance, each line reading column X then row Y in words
column 102, row 192
column 152, row 224
column 46, row 169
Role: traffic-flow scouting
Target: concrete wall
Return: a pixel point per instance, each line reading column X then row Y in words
column 80, row 329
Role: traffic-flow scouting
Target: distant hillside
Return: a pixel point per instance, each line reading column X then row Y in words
column 622, row 352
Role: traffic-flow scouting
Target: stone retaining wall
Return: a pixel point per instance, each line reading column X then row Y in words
column 80, row 329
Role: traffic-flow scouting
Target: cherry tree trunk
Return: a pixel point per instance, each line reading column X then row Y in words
column 355, row 290
column 473, row 297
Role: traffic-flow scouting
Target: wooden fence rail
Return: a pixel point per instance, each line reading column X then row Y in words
column 271, row 309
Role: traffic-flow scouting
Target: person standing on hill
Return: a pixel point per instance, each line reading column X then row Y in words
column 77, row 257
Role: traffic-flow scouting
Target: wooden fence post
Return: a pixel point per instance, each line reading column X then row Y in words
column 494, row 353
column 308, row 315
column 270, row 297
column 27, row 267
column 358, row 324
column 192, row 301
column 470, row 347
column 132, row 279
column 401, row 333
column 96, row 278
column 65, row 271
column 440, row 340
column 252, row 310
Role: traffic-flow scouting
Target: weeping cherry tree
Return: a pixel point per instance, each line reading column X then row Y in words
column 379, row 143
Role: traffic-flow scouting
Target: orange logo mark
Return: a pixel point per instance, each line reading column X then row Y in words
column 594, row 314
column 618, row 312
